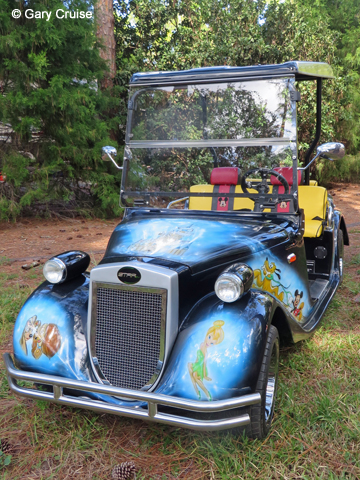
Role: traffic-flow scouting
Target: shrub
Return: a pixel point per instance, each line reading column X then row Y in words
column 48, row 75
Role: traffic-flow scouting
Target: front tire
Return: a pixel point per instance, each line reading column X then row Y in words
column 261, row 415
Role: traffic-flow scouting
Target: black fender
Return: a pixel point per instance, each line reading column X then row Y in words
column 58, row 312
column 344, row 230
column 233, row 361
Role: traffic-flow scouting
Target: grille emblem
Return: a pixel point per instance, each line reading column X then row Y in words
column 129, row 275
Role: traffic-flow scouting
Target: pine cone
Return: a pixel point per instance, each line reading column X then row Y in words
column 124, row 471
column 5, row 446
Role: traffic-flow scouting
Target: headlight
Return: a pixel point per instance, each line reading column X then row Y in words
column 66, row 266
column 229, row 287
column 234, row 282
column 54, row 270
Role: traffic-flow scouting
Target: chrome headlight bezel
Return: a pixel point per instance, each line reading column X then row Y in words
column 57, row 265
column 230, row 282
column 239, row 278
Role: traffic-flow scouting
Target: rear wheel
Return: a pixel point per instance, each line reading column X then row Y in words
column 261, row 415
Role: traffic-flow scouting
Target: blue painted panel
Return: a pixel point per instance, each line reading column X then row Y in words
column 220, row 350
column 189, row 241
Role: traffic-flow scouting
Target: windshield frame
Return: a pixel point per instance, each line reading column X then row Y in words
column 173, row 144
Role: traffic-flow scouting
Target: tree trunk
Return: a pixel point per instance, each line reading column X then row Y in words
column 105, row 32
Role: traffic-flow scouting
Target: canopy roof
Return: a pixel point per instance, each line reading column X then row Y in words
column 301, row 70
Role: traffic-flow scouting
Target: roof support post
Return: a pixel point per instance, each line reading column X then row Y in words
column 318, row 129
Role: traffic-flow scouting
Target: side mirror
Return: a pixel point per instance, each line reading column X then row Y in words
column 331, row 151
column 107, row 153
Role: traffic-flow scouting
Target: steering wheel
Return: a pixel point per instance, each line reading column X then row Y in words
column 261, row 187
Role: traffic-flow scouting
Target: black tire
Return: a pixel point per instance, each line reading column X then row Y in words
column 261, row 415
column 340, row 249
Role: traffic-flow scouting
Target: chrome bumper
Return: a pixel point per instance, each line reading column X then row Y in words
column 150, row 413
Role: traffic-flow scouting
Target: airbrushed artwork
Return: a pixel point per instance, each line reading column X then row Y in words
column 297, row 306
column 45, row 338
column 265, row 279
column 269, row 278
column 186, row 240
column 198, row 370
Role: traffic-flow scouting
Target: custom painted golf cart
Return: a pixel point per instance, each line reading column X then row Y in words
column 225, row 246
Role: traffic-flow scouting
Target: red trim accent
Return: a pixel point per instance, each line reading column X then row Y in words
column 1, row 178
column 287, row 173
column 224, row 176
column 223, row 202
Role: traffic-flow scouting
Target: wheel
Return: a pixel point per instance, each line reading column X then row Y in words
column 340, row 248
column 261, row 415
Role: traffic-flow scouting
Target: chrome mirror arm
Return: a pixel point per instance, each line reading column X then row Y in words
column 116, row 165
column 331, row 151
column 107, row 152
column 308, row 165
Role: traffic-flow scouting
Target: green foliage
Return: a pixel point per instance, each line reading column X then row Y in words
column 343, row 22
column 159, row 35
column 345, row 170
column 48, row 73
column 5, row 460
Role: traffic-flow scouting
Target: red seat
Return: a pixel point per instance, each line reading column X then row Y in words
column 287, row 173
column 224, row 180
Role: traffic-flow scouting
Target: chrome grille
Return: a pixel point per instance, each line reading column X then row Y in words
column 128, row 333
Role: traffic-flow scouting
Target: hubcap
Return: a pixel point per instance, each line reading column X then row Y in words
column 272, row 383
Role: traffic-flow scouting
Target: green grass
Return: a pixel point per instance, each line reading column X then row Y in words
column 355, row 260
column 315, row 434
column 4, row 261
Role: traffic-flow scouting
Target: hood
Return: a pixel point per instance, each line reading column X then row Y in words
column 192, row 240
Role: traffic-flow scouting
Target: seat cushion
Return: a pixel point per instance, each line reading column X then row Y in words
column 313, row 200
column 225, row 176
column 206, row 203
column 287, row 173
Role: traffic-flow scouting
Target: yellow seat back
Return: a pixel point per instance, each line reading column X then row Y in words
column 313, row 200
column 205, row 203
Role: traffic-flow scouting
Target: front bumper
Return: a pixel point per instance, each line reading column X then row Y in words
column 153, row 400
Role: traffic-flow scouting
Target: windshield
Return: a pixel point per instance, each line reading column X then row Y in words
column 177, row 135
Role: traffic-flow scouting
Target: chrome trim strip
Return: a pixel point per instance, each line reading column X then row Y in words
column 152, row 399
column 161, row 291
column 243, row 142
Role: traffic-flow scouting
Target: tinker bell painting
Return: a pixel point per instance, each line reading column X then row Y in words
column 198, row 370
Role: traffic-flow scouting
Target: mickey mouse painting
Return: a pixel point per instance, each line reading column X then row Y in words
column 223, row 201
column 297, row 310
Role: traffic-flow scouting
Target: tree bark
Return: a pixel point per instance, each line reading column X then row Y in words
column 105, row 32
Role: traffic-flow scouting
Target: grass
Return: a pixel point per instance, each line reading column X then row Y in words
column 315, row 434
